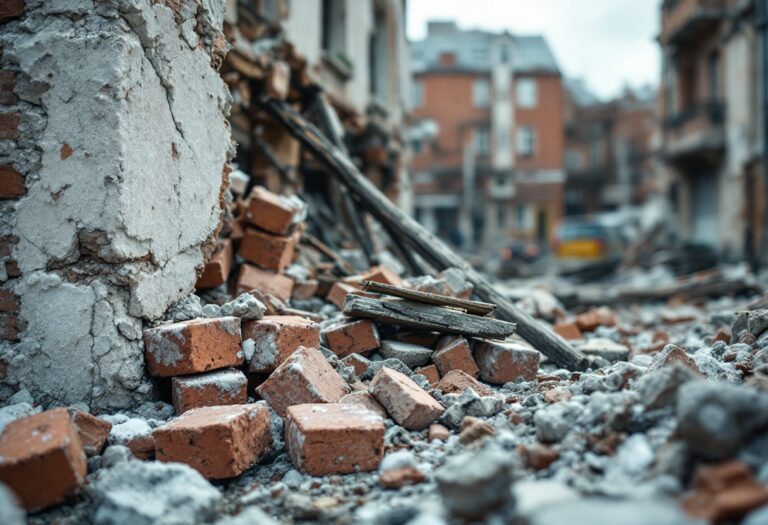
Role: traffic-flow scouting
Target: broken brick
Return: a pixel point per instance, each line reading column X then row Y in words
column 41, row 459
column 501, row 362
column 454, row 354
column 305, row 377
column 93, row 431
column 537, row 456
column 568, row 331
column 430, row 372
column 9, row 125
column 11, row 9
column 274, row 213
column 670, row 355
column 359, row 363
column 268, row 251
column 725, row 492
column 405, row 401
column 382, row 274
column 216, row 271
column 590, row 320
column 11, row 183
column 457, row 381
column 400, row 477
column 334, row 438
column 339, row 291
column 220, row 387
column 194, row 346
column 251, row 278
column 438, row 432
column 365, row 398
column 306, row 289
column 136, row 434
column 9, row 302
column 219, row 442
column 276, row 337
column 352, row 336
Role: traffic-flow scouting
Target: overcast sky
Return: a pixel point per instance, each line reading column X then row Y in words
column 608, row 43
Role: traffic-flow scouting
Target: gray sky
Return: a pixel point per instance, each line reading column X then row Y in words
column 608, row 43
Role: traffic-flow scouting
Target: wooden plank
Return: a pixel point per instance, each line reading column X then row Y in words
column 431, row 248
column 426, row 317
column 471, row 307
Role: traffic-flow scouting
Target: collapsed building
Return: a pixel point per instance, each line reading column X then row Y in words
column 188, row 340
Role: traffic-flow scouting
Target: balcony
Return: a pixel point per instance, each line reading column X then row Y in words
column 695, row 132
column 684, row 21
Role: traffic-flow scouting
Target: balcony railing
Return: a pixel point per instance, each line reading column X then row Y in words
column 685, row 19
column 697, row 129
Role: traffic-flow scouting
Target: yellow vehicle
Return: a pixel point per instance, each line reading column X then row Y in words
column 585, row 240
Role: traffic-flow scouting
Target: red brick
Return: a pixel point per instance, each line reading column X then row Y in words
column 568, row 331
column 219, row 442
column 339, row 291
column 334, row 438
column 400, row 477
column 10, row 327
column 305, row 377
column 503, row 362
column 537, row 456
column 430, row 372
column 7, row 84
column 722, row 334
column 136, row 434
column 352, row 336
column 379, row 274
column 725, row 492
column 303, row 290
column 217, row 388
column 590, row 320
column 358, row 362
column 9, row 301
column 438, row 432
column 9, row 126
column 365, row 398
column 93, row 432
column 276, row 337
column 268, row 251
column 454, row 354
column 194, row 346
column 216, row 271
column 405, row 401
column 11, row 9
column 42, row 459
column 670, row 355
column 11, row 183
column 457, row 381
column 252, row 278
column 272, row 212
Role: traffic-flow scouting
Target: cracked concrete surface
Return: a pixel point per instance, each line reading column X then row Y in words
column 124, row 142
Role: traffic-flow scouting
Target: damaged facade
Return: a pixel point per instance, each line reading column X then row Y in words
column 713, row 104
column 487, row 136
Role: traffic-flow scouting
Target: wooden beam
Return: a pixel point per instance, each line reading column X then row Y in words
column 434, row 250
column 471, row 307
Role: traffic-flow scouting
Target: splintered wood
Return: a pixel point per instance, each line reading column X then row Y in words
column 471, row 307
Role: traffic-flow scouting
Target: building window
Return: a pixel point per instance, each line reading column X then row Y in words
column 447, row 58
column 573, row 160
column 526, row 141
column 481, row 142
column 526, row 93
column 504, row 55
column 714, row 76
column 501, row 215
column 333, row 30
column 416, row 146
column 481, row 93
column 417, row 94
column 523, row 217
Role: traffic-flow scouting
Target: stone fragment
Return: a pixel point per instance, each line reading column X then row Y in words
column 93, row 431
column 10, row 511
column 590, row 320
column 457, row 381
column 115, row 454
column 715, row 419
column 216, row 270
column 604, row 511
column 367, row 400
column 248, row 516
column 454, row 354
column 408, row 404
column 245, row 306
column 252, row 278
column 15, row 411
column 219, row 442
column 475, row 483
column 552, row 423
column 400, row 477
column 412, row 355
column 438, row 432
column 152, row 493
column 267, row 251
column 274, row 213
column 276, row 337
column 659, row 388
column 351, row 336
column 474, row 429
column 334, row 438
column 376, row 366
column 359, row 363
column 537, row 456
column 607, row 349
column 501, row 362
column 42, row 459
column 430, row 372
column 469, row 403
column 195, row 346
column 136, row 434
column 305, row 377
column 670, row 355
column 725, row 492
column 567, row 330
column 220, row 387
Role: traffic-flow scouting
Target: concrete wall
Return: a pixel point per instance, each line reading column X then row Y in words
column 122, row 142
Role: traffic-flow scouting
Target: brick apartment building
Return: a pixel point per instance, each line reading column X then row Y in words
column 487, row 138
column 609, row 159
column 712, row 98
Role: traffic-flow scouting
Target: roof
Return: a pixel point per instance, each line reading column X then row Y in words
column 473, row 50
